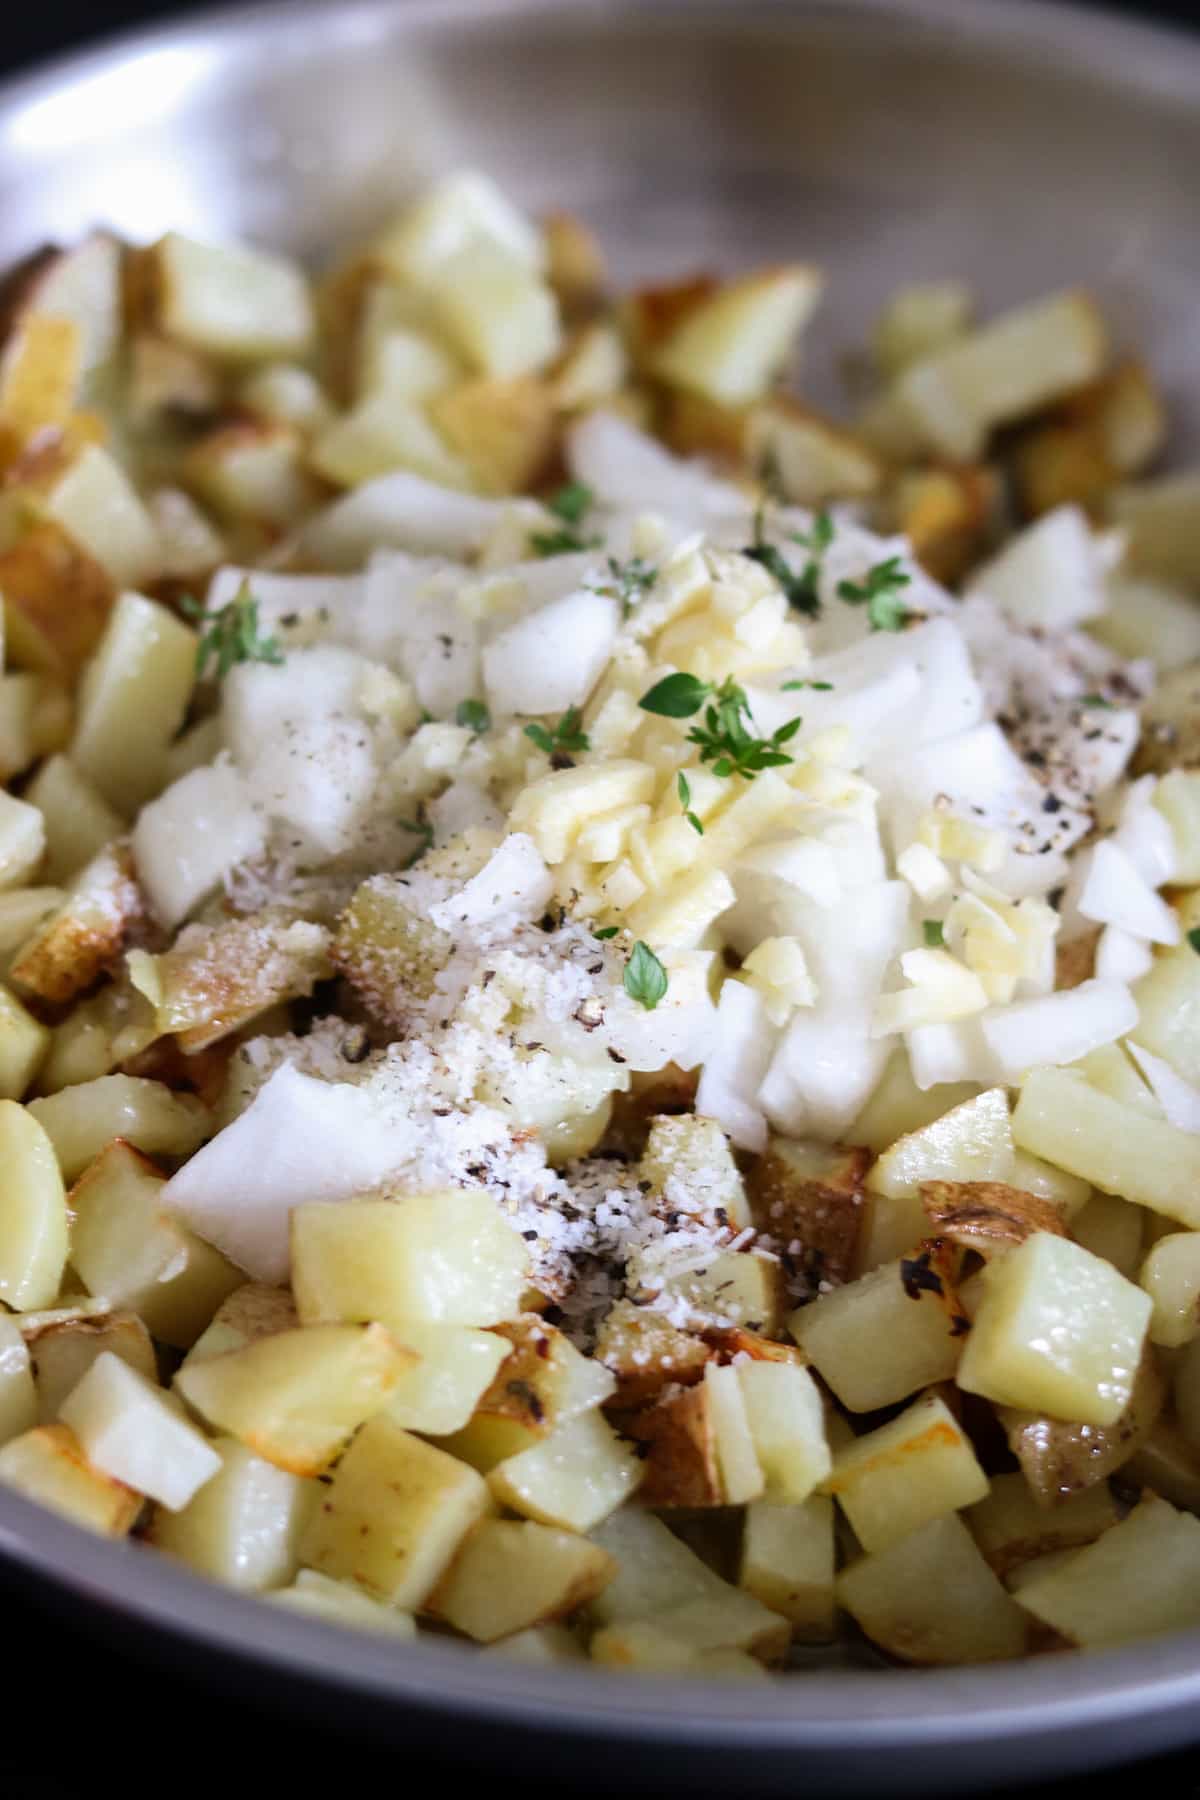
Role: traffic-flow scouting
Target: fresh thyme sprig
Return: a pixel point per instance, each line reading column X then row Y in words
column 722, row 737
column 233, row 635
column 628, row 582
column 560, row 739
column 474, row 714
column 683, row 788
column 421, row 828
column 802, row 589
column 569, row 504
column 879, row 592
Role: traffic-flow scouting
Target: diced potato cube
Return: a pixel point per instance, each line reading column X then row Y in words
column 1059, row 1459
column 65, row 1346
column 815, row 460
column 81, row 1120
column 785, row 1413
column 253, row 1310
column 732, row 344
column 542, row 1382
column 78, row 821
column 734, row 1446
column 913, row 1469
column 22, row 840
column 930, row 1598
column 1141, row 1578
column 541, row 1647
column 898, row 1107
column 646, row 1352
column 678, row 1442
column 1171, row 1277
column 296, row 1396
column 1011, row 1526
column 33, row 1212
column 385, row 432
column 734, row 1287
column 85, row 933
column 47, row 1464
column 18, row 1395
column 972, row 1142
column 438, row 1394
column 244, row 1526
column 498, row 314
column 394, row 1515
column 573, row 1478
column 341, row 1603
column 918, row 320
column 788, row 1563
column 1114, row 1229
column 128, row 1250
column 509, row 1576
column 96, row 504
column 215, row 979
column 689, row 1163
column 1059, row 1331
column 130, row 1430
column 1177, row 798
column 575, row 266
column 229, row 301
column 1006, row 369
column 448, row 1257
column 1112, row 1145
column 132, row 701
column 1160, row 518
column 39, row 375
column 503, row 430
column 23, row 1044
column 1167, row 1465
column 56, row 600
column 811, row 1194
column 877, row 1340
column 252, row 473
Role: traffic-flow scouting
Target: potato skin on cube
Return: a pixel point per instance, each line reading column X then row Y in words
column 1058, row 1330
column 394, row 1515
column 1059, row 1459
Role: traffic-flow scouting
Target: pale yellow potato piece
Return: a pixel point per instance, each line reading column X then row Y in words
column 78, row 821
column 898, row 1107
column 394, row 1515
column 1114, row 1146
column 786, row 1416
column 913, row 1469
column 449, row 1257
column 1168, row 998
column 873, row 1343
column 540, row 1647
column 918, row 320
column 130, row 1429
column 1171, row 1277
column 48, row 1465
column 1012, row 1527
column 1141, row 1578
column 438, row 1394
column 80, row 1121
column 732, row 344
column 24, row 1042
column 788, row 1563
column 127, row 1250
column 18, row 1395
column 245, row 1524
column 229, row 301
column 695, row 1153
column 542, row 1382
column 660, row 1647
column 574, row 1478
column 22, row 840
column 341, row 1603
column 734, row 1449
column 98, row 507
column 295, row 1397
column 252, row 473
column 1160, row 517
column 511, row 1575
column 734, row 1287
column 1059, row 1331
column 132, row 701
column 971, row 1142
column 1177, row 798
column 64, row 1348
column 930, row 1598
column 1167, row 1465
column 816, row 460
column 33, row 1212
column 253, row 1310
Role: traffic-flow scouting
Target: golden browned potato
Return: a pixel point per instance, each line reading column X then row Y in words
column 987, row 1215
column 810, row 1196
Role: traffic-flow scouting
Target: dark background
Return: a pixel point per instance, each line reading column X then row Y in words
column 85, row 1715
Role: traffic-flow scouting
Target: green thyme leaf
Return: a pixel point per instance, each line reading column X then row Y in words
column 1099, row 701
column 879, row 592
column 820, row 687
column 571, row 502
column 1193, row 938
column 605, row 931
column 232, row 636
column 562, row 738
column 421, row 828
column 474, row 715
column 933, row 932
column 630, row 582
column 645, row 978
column 676, row 696
column 684, row 789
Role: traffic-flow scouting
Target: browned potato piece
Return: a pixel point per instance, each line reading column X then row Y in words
column 1109, row 430
column 1059, row 1459
column 541, row 1383
column 1075, row 961
column 64, row 1349
column 694, row 425
column 646, row 1353
column 812, row 459
column 75, row 945
column 1167, row 1463
column 680, row 1455
column 384, row 947
column 56, row 601
column 504, row 430
column 987, row 1215
column 217, row 978
column 810, row 1194
column 947, row 515
column 39, row 376
column 665, row 1091
column 168, row 378
column 575, row 265
column 650, row 314
column 252, row 472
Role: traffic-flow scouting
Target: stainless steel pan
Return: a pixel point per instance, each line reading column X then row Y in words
column 1021, row 145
